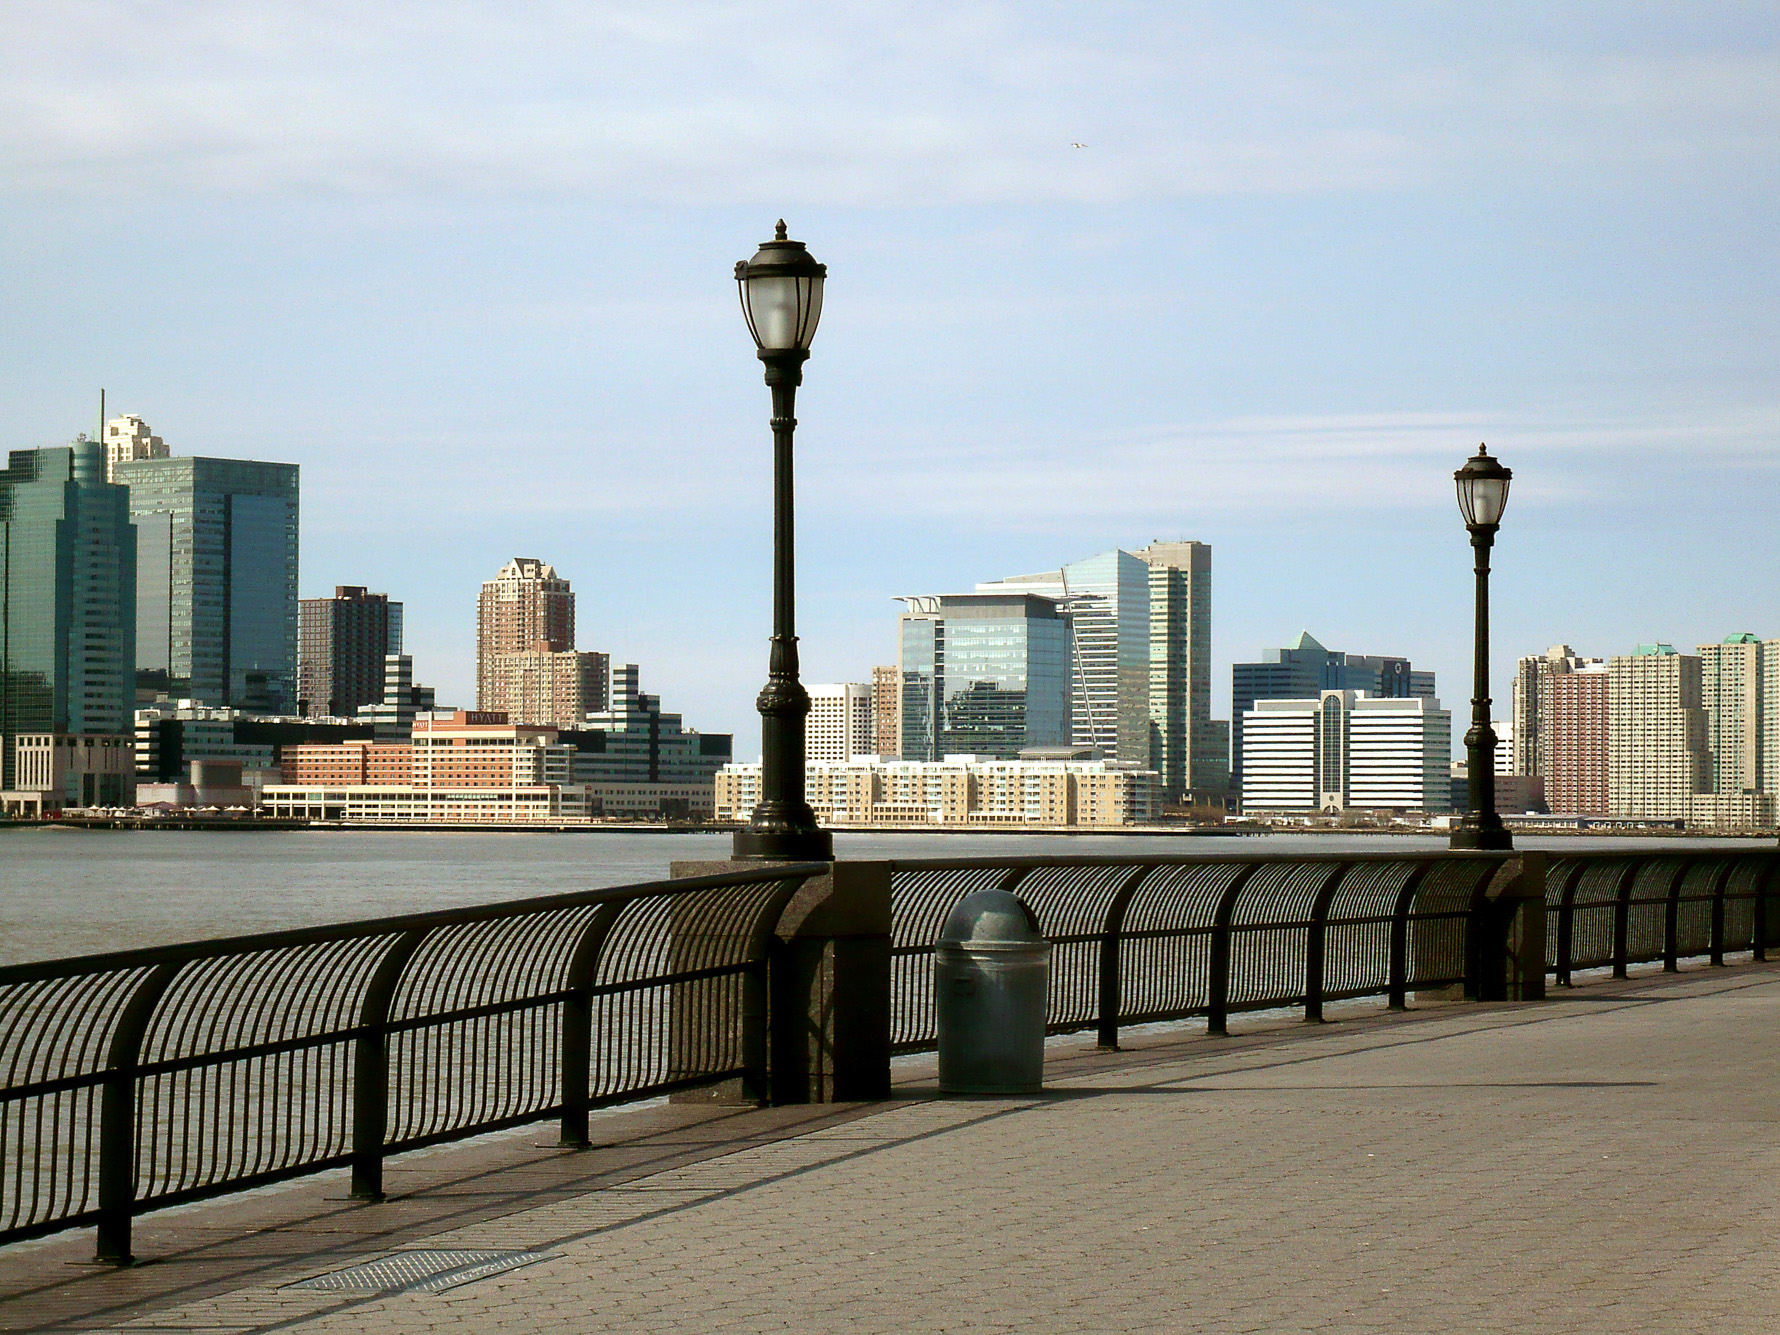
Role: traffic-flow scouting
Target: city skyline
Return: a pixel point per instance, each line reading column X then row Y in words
column 1304, row 263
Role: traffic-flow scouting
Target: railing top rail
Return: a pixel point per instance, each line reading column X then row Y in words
column 180, row 952
column 1177, row 859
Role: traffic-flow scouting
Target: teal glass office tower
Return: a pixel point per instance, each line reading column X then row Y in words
column 67, row 598
column 216, row 604
column 983, row 674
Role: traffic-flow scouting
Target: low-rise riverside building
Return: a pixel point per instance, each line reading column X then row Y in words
column 1347, row 751
column 467, row 767
column 170, row 734
column 1069, row 789
column 56, row 770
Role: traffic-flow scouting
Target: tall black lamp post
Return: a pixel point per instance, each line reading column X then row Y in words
column 1483, row 495
column 781, row 289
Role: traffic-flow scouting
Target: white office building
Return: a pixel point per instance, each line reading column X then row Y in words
column 1347, row 750
column 839, row 725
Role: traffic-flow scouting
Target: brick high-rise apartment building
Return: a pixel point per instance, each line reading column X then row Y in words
column 1573, row 724
column 341, row 646
column 886, row 710
column 524, row 609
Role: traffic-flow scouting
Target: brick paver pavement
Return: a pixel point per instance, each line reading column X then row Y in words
column 1601, row 1162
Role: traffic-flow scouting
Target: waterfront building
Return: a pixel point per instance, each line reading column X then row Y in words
column 1107, row 601
column 1347, row 750
column 1189, row 748
column 216, row 579
column 171, row 734
column 638, row 763
column 392, row 717
column 67, row 601
column 886, row 710
column 470, row 767
column 1535, row 678
column 541, row 685
column 524, row 608
column 128, row 439
column 1572, row 752
column 1737, row 688
column 983, row 674
column 1657, row 755
column 341, row 646
column 54, row 771
column 839, row 725
column 1065, row 790
column 1303, row 670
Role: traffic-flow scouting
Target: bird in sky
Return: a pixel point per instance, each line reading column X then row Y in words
column 1076, row 145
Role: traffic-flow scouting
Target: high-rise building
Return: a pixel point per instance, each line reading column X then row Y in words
column 341, row 644
column 526, row 608
column 1187, row 747
column 1305, row 669
column 1657, row 756
column 1572, row 753
column 983, row 674
column 67, row 606
column 886, row 710
column 1347, row 750
column 541, row 686
column 839, row 724
column 1107, row 601
column 127, row 439
column 216, row 579
column 1731, row 691
column 1534, row 676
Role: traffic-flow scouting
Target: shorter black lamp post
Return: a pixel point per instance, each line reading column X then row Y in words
column 781, row 289
column 1483, row 495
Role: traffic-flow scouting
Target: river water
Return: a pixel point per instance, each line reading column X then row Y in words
column 65, row 891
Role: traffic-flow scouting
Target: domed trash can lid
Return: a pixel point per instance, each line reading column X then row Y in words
column 992, row 918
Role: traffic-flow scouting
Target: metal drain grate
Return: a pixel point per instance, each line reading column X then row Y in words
column 419, row 1271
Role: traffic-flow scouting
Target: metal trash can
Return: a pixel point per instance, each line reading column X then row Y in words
column 991, row 976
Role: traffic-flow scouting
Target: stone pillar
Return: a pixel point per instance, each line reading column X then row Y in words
column 828, row 1016
column 1508, row 934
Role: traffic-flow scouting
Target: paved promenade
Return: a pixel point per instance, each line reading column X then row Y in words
column 1605, row 1161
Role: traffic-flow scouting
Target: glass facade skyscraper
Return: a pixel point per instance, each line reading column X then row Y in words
column 67, row 598
column 216, row 606
column 983, row 674
column 1107, row 600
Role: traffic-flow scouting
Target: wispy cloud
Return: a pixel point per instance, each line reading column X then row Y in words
column 703, row 100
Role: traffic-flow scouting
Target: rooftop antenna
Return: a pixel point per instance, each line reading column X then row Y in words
column 101, row 434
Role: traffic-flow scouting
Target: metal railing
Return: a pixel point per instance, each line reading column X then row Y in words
column 1141, row 940
column 148, row 1078
column 138, row 1080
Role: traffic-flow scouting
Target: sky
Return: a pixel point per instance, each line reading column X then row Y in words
column 469, row 265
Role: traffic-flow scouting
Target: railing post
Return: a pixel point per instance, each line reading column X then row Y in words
column 577, row 1024
column 1217, row 972
column 1758, row 927
column 1720, row 884
column 1399, row 976
column 1672, row 919
column 1622, row 909
column 1110, row 991
column 370, row 1067
column 1315, row 941
column 117, row 1116
column 1566, row 943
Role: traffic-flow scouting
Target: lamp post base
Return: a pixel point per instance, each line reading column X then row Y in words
column 783, row 845
column 1473, row 833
